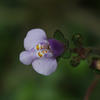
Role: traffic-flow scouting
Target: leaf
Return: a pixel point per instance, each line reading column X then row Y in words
column 75, row 61
column 66, row 54
column 58, row 35
column 97, row 71
column 77, row 39
column 58, row 58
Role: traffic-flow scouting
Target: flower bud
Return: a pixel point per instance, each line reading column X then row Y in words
column 95, row 64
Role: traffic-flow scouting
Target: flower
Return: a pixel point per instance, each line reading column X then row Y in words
column 95, row 64
column 40, row 52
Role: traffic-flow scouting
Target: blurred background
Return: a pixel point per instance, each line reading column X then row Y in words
column 17, row 17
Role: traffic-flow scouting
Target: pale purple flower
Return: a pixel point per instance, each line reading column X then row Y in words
column 40, row 52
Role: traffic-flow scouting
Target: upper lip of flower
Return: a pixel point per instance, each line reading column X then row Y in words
column 57, row 47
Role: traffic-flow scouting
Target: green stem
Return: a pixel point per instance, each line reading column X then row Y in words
column 91, row 87
column 95, row 51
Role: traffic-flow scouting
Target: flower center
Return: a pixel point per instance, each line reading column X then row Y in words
column 43, row 49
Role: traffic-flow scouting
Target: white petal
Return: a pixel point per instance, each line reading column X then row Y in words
column 26, row 57
column 45, row 66
column 33, row 37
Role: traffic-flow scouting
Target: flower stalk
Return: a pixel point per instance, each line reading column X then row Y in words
column 91, row 87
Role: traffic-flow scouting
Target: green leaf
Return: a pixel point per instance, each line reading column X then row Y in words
column 66, row 54
column 58, row 58
column 75, row 61
column 58, row 35
column 97, row 71
column 77, row 39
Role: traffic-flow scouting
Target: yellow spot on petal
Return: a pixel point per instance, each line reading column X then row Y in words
column 42, row 47
column 44, row 51
column 40, row 55
column 37, row 47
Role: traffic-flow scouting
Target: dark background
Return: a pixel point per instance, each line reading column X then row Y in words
column 17, row 17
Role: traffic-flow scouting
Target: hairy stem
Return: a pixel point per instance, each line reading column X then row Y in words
column 91, row 87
